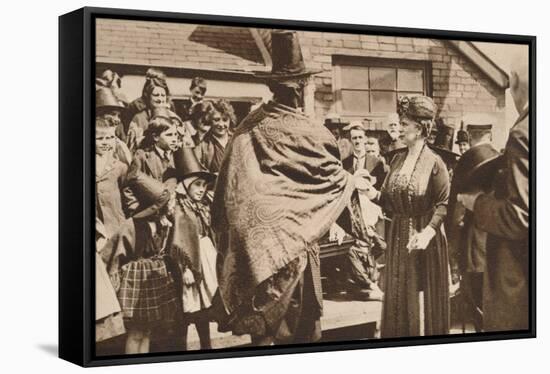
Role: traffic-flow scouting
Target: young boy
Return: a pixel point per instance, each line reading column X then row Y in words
column 110, row 177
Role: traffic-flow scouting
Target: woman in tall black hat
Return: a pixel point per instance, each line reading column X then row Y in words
column 280, row 188
column 415, row 195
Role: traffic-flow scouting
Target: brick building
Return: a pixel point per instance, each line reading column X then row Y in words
column 363, row 75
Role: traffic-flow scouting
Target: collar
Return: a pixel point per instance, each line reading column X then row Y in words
column 164, row 155
column 359, row 156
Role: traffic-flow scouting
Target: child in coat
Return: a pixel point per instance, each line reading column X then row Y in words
column 191, row 245
column 110, row 177
column 148, row 293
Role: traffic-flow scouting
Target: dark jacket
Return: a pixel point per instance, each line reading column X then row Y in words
column 376, row 166
column 505, row 217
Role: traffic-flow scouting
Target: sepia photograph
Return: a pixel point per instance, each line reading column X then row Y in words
column 259, row 187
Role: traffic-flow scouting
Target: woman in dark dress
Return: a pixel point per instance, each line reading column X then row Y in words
column 415, row 195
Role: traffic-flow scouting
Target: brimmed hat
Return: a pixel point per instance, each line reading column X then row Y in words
column 288, row 62
column 484, row 127
column 166, row 113
column 462, row 136
column 105, row 99
column 443, row 143
column 151, row 193
column 187, row 166
column 476, row 166
column 355, row 125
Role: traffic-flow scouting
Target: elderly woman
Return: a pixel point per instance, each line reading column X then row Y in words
column 156, row 95
column 415, row 194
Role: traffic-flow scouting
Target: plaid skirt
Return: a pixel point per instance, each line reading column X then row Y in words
column 147, row 292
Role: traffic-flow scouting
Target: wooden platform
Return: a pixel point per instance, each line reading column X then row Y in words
column 343, row 319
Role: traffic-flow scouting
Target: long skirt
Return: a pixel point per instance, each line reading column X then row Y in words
column 199, row 296
column 147, row 293
column 416, row 284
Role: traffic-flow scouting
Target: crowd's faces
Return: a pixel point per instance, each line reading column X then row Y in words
column 158, row 98
column 335, row 131
column 358, row 138
column 197, row 93
column 105, row 141
column 112, row 117
column 411, row 130
column 202, row 126
column 463, row 147
column 394, row 130
column 168, row 139
column 197, row 189
column 220, row 124
column 431, row 137
column 372, row 147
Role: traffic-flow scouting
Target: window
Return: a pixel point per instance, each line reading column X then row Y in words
column 370, row 87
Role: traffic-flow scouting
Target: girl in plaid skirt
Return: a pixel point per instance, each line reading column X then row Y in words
column 147, row 291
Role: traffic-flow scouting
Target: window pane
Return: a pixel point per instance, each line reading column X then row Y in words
column 410, row 80
column 383, row 101
column 382, row 78
column 355, row 101
column 355, row 77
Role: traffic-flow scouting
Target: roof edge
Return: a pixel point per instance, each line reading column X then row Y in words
column 481, row 60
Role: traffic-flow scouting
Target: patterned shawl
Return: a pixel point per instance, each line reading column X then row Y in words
column 280, row 187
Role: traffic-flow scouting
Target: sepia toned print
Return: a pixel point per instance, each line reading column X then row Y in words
column 259, row 187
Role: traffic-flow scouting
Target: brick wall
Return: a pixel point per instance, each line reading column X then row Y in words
column 459, row 88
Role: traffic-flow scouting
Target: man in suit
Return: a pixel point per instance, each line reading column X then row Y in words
column 361, row 269
column 359, row 159
column 504, row 215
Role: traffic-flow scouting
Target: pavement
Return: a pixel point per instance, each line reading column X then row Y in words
column 343, row 319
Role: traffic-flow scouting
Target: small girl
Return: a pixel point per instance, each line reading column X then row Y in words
column 192, row 245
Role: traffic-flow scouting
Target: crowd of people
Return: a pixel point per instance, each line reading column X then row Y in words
column 200, row 219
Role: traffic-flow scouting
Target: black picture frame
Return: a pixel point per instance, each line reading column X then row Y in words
column 76, row 190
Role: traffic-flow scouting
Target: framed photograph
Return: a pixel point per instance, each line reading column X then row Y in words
column 277, row 186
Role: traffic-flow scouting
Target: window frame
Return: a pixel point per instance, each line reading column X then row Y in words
column 374, row 62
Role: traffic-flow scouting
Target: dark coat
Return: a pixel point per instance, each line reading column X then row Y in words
column 505, row 217
column 376, row 166
column 210, row 153
column 153, row 165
